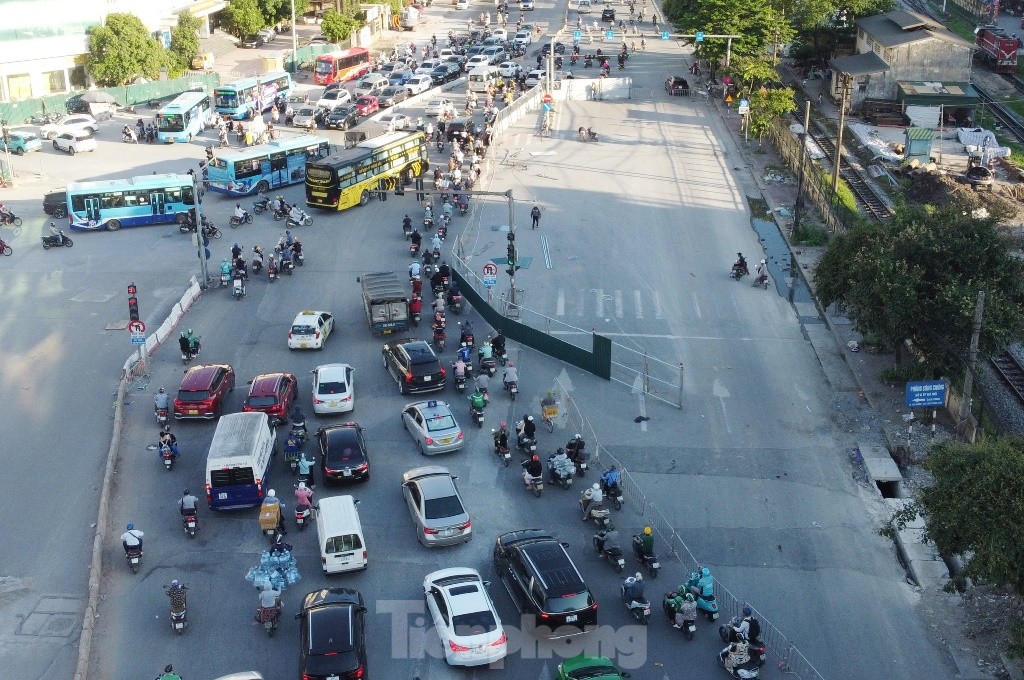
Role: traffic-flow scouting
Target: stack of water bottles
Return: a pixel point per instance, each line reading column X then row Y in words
column 278, row 568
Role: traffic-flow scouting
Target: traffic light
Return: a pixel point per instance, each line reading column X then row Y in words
column 133, row 303
column 511, row 255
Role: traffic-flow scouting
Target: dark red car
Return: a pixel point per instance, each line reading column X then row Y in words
column 367, row 104
column 203, row 390
column 273, row 394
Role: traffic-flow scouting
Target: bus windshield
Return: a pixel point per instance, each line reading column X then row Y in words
column 225, row 98
column 172, row 122
column 325, row 66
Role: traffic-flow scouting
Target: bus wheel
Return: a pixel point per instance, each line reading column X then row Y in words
column 262, row 186
column 364, row 198
column 113, row 225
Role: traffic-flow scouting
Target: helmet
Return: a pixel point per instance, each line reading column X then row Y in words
column 166, row 428
column 161, row 390
column 302, row 485
column 271, row 494
column 175, row 584
column 130, row 526
column 511, row 364
column 647, row 531
column 184, row 334
column 739, row 254
column 504, row 425
column 763, row 262
column 595, row 486
column 630, row 580
column 168, row 669
column 536, row 457
column 529, row 419
column 52, row 224
column 185, row 492
column 559, row 452
column 577, row 437
column 236, row 245
column 190, row 331
column 747, row 611
column 689, row 597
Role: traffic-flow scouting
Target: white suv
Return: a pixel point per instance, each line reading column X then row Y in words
column 74, row 141
column 73, row 123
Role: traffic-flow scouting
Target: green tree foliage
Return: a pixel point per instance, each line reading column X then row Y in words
column 122, row 49
column 975, row 505
column 337, row 27
column 917, row 276
column 185, row 40
column 276, row 11
column 243, row 17
column 767, row 105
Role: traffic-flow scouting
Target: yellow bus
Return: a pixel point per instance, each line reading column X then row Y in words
column 347, row 178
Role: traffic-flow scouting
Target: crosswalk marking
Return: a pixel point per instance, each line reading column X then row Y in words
column 600, row 301
column 560, row 305
column 618, row 303
column 657, row 305
column 638, row 302
column 606, row 302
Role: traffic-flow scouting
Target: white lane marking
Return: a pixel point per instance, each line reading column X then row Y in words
column 657, row 306
column 560, row 305
column 600, row 301
column 720, row 391
column 696, row 305
column 580, row 304
column 618, row 303
column 638, row 302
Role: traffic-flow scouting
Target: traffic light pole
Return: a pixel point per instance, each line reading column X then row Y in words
column 200, row 246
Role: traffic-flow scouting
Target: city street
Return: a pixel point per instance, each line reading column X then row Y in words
column 635, row 241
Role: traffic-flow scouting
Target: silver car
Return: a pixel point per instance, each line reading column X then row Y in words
column 436, row 507
column 433, row 427
column 305, row 118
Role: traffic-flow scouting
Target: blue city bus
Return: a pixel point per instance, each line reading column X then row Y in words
column 186, row 116
column 258, row 169
column 136, row 201
column 238, row 99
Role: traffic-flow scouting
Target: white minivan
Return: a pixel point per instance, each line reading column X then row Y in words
column 340, row 535
column 482, row 77
column 584, row 7
column 239, row 460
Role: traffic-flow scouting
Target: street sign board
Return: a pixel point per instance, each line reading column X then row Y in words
column 137, row 326
column 547, row 107
column 926, row 393
column 490, row 280
column 490, row 269
column 664, row 35
column 700, row 36
column 138, row 339
column 577, row 35
column 547, row 99
column 609, row 35
column 743, row 108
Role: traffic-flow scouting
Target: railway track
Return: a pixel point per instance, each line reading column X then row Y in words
column 1012, row 373
column 873, row 205
column 1007, row 119
column 1017, row 83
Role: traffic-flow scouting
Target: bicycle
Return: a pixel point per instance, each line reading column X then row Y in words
column 549, row 411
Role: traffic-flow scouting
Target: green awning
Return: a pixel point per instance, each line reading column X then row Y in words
column 917, row 93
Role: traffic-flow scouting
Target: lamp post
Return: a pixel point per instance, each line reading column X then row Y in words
column 295, row 43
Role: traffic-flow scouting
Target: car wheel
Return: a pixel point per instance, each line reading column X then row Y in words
column 422, row 451
column 19, row 152
column 55, row 146
column 262, row 186
column 60, row 212
column 71, row 150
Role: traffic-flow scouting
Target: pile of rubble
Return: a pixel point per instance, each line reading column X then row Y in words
column 936, row 188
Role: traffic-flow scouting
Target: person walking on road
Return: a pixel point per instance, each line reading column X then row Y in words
column 535, row 215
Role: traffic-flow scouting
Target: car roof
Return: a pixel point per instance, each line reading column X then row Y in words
column 266, row 384
column 307, row 315
column 467, row 596
column 419, row 351
column 432, row 408
column 333, row 370
column 424, row 471
column 198, row 377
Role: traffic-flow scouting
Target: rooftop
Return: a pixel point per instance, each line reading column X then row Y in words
column 900, row 27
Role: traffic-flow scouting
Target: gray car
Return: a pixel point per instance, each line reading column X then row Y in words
column 435, row 504
column 433, row 427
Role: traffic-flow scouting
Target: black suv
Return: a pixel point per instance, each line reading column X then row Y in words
column 457, row 126
column 342, row 117
column 608, row 14
column 332, row 635
column 542, row 580
column 444, row 73
column 414, row 366
column 343, row 454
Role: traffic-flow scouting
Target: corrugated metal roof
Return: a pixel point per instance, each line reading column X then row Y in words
column 918, row 93
column 900, row 27
column 859, row 64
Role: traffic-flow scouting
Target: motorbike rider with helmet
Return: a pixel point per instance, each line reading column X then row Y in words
column 526, row 429
column 272, row 499
column 592, row 497
column 187, row 504
column 510, row 374
column 740, row 265
column 560, row 467
column 497, row 343
column 270, row 598
column 183, row 344
column 762, row 273
column 169, row 674
column 501, row 437
column 465, row 353
column 131, row 538
column 610, row 479
column 162, row 400
column 532, row 469
column 633, row 587
column 303, row 495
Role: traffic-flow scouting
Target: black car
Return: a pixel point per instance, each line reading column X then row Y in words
column 608, row 14
column 445, row 73
column 343, row 454
column 332, row 635
column 473, row 51
column 55, row 204
column 543, row 582
column 559, row 48
column 458, row 59
column 392, row 95
column 342, row 117
column 414, row 366
column 252, row 41
column 457, row 126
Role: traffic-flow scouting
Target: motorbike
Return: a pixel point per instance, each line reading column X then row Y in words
column 588, row 61
column 467, row 334
column 489, row 364
column 56, row 241
column 133, row 554
column 760, row 282
column 281, row 214
column 298, row 258
column 750, row 668
column 455, row 304
column 292, row 451
column 429, row 271
column 527, row 444
column 189, row 355
column 235, row 221
column 613, row 494
column 129, row 136
column 179, row 613
column 463, row 208
column 739, row 271
column 460, row 381
column 597, row 512
column 224, row 279
column 649, row 562
column 269, row 617
column 706, row 602
column 407, row 228
column 501, row 451
column 587, row 135
column 428, row 221
column 607, row 547
column 302, row 513
column 537, row 486
column 271, row 270
column 257, row 260
column 261, row 205
column 478, row 416
column 10, row 218
column 563, row 479
column 439, row 338
column 512, row 388
column 287, row 267
column 414, row 249
column 189, row 523
column 161, row 415
column 639, row 608
column 238, row 288
column 689, row 626
column 302, row 219
column 298, row 431
column 167, row 455
column 579, row 457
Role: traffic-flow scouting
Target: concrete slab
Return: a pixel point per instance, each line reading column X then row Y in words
column 882, row 470
column 967, row 666
column 836, row 370
column 873, row 451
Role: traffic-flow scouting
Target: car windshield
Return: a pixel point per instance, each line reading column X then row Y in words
column 474, row 623
column 200, row 395
column 261, row 402
column 303, row 330
column 440, row 422
column 332, row 388
column 568, row 603
column 440, row 508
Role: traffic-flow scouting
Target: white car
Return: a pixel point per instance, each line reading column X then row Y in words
column 461, row 4
column 508, row 69
column 333, row 98
column 333, row 388
column 74, row 141
column 525, row 5
column 465, row 617
column 427, row 66
column 437, row 107
column 445, row 53
column 396, row 121
column 370, row 84
column 535, row 77
column 310, row 329
column 419, row 83
column 476, row 61
column 523, row 38
column 78, row 121
column 305, row 118
column 268, row 35
column 499, row 33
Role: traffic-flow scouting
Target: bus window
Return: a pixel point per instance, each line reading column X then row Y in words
column 278, row 161
column 247, row 168
column 186, row 195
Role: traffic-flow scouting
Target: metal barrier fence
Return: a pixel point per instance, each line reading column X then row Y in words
column 671, row 547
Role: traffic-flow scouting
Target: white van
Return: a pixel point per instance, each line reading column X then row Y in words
column 340, row 535
column 482, row 77
column 239, row 460
column 584, row 7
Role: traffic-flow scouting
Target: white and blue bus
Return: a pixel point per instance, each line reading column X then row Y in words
column 258, row 169
column 136, row 201
column 183, row 118
column 239, row 99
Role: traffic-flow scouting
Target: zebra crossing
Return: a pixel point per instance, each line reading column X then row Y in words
column 608, row 303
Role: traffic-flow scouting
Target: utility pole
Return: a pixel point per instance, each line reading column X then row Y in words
column 846, row 81
column 197, row 185
column 972, row 359
column 803, row 159
column 295, row 43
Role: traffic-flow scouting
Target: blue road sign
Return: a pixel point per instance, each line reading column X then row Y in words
column 664, row 35
column 926, row 393
column 138, row 339
column 700, row 36
column 546, row 107
column 609, row 35
column 577, row 35
column 490, row 280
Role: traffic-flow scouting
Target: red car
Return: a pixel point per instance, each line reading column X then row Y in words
column 202, row 391
column 273, row 394
column 367, row 104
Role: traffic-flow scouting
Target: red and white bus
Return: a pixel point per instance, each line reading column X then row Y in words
column 341, row 66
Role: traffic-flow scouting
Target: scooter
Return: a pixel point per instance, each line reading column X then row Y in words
column 292, row 451
column 739, row 271
column 10, row 218
column 609, row 549
column 759, row 282
column 407, row 228
column 287, row 266
column 238, row 288
column 536, row 486
column 303, row 220
column 463, row 208
column 512, row 388
column 649, row 562
column 161, row 415
column 271, row 270
column 439, row 338
column 281, row 214
column 460, row 381
column 414, row 249
column 478, row 416
column 639, row 608
column 527, row 444
column 167, row 455
column 133, row 554
column 235, row 221
column 578, row 457
column 298, row 431
column 556, row 477
column 269, row 617
column 224, row 278
column 749, row 669
column 261, row 205
column 455, row 303
column 706, row 602
column 302, row 513
column 689, row 626
column 501, row 451
column 130, row 137
column 179, row 617
column 597, row 512
column 257, row 260
column 56, row 241
column 189, row 522
column 613, row 493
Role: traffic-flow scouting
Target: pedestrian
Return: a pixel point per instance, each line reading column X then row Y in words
column 821, row 95
column 535, row 215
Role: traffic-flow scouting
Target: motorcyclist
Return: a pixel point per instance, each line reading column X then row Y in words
column 610, row 479
column 644, row 543
column 407, row 224
column 183, row 344
column 272, row 499
column 176, row 594
column 193, row 343
column 435, row 242
column 306, row 468
column 295, row 214
column 444, row 270
column 486, row 351
column 460, row 368
column 482, row 382
column 225, row 267
column 131, row 538
column 278, row 204
column 187, row 504
column 297, row 248
column 414, row 269
column 169, row 674
column 415, row 305
column 526, row 428
column 477, row 400
column 633, row 587
column 6, row 214
column 501, row 437
column 303, row 495
column 575, row 446
column 532, row 469
column 437, row 281
column 438, row 305
column 465, row 353
column 286, row 256
column 560, row 466
column 269, row 597
column 167, row 439
column 447, row 209
column 510, row 375
column 240, row 213
column 735, row 654
column 55, row 232
column 467, row 332
column 428, row 257
column 686, row 610
column 740, row 264
column 497, row 342
column 592, row 497
column 236, row 251
column 762, row 273
column 416, row 238
column 161, row 401
column 741, row 628
column 703, row 583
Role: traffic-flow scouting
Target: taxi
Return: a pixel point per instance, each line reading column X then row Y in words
column 433, row 427
column 310, row 329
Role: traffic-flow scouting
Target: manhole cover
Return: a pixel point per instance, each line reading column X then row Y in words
column 53, row 616
column 58, row 625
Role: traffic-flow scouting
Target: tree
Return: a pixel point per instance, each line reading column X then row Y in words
column 918, row 275
column 975, row 504
column 243, row 18
column 122, row 49
column 767, row 105
column 185, row 40
column 337, row 27
column 276, row 11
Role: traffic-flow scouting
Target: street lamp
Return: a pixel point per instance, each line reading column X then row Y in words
column 295, row 43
